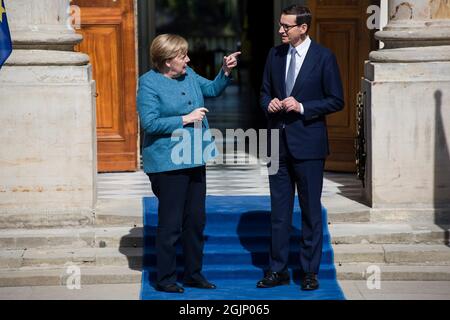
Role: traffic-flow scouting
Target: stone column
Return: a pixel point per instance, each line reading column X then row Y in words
column 407, row 87
column 47, row 115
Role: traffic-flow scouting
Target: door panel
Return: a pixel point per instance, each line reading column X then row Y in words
column 109, row 39
column 341, row 26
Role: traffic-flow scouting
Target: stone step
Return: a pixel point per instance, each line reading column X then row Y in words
column 128, row 212
column 374, row 233
column 59, row 276
column 111, row 220
column 393, row 272
column 49, row 238
column 392, row 254
column 389, row 233
column 132, row 257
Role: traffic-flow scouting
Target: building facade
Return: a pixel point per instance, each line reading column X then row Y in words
column 70, row 103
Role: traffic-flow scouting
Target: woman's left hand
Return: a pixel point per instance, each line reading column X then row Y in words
column 230, row 62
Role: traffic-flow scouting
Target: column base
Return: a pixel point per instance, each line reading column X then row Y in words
column 407, row 118
column 48, row 166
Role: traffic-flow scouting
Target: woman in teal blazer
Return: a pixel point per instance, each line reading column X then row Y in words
column 171, row 108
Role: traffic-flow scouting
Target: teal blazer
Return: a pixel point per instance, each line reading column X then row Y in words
column 161, row 103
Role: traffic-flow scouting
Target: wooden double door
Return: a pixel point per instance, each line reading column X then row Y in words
column 341, row 25
column 108, row 28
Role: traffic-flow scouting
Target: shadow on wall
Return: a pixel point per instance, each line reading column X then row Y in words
column 442, row 169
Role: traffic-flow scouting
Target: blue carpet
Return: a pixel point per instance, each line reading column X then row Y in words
column 237, row 238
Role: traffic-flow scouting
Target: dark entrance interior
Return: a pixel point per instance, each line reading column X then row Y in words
column 213, row 29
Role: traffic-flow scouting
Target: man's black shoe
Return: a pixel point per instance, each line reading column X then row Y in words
column 273, row 279
column 310, row 282
column 170, row 288
column 200, row 284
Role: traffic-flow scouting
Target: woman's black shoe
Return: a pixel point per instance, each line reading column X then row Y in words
column 170, row 288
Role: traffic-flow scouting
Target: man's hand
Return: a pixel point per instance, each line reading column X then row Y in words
column 230, row 62
column 290, row 104
column 275, row 106
column 194, row 116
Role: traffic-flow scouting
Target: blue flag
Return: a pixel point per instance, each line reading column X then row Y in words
column 5, row 36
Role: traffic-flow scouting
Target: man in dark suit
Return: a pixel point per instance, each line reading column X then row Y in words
column 301, row 85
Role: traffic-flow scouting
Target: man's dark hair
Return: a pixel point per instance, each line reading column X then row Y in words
column 303, row 14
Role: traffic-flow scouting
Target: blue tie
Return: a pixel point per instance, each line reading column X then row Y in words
column 290, row 79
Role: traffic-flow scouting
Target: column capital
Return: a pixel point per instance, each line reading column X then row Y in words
column 43, row 24
column 416, row 23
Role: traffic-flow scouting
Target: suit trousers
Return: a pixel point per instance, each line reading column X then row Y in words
column 181, row 216
column 307, row 175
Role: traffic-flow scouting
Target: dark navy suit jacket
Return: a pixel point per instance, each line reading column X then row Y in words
column 318, row 87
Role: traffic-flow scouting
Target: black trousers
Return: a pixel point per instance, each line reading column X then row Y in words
column 181, row 215
column 308, row 176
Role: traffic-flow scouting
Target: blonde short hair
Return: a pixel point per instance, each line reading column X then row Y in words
column 165, row 47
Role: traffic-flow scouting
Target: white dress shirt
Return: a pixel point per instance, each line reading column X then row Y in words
column 301, row 51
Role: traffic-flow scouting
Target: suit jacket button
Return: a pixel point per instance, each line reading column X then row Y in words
column 183, row 93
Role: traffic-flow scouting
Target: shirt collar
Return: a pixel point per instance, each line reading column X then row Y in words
column 303, row 47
